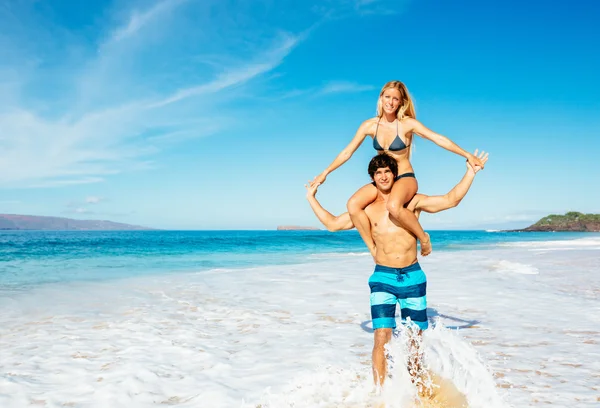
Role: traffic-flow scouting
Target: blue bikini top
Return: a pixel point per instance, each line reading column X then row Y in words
column 396, row 145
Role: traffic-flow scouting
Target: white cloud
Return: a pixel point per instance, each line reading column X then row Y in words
column 329, row 88
column 139, row 20
column 93, row 199
column 135, row 90
column 117, row 119
column 337, row 9
column 385, row 7
column 344, row 87
column 62, row 183
column 268, row 61
column 363, row 3
column 83, row 207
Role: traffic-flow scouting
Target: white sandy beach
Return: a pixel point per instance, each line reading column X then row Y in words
column 294, row 336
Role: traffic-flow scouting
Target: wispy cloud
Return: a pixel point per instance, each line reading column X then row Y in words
column 94, row 199
column 85, row 205
column 139, row 20
column 268, row 61
column 112, row 104
column 121, row 114
column 62, row 183
column 327, row 89
column 344, row 87
column 338, row 9
column 385, row 7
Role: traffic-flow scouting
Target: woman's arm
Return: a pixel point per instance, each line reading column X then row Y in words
column 345, row 154
column 442, row 141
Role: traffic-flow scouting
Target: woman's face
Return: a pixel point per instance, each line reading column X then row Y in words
column 390, row 100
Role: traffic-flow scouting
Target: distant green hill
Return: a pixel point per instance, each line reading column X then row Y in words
column 571, row 221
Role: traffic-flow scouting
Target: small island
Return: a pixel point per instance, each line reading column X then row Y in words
column 572, row 221
column 295, row 228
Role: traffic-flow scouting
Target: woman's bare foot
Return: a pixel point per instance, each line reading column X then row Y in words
column 426, row 246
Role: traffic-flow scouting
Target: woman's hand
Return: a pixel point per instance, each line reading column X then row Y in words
column 320, row 179
column 475, row 161
column 483, row 157
column 311, row 189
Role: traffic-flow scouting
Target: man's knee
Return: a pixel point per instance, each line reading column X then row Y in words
column 382, row 337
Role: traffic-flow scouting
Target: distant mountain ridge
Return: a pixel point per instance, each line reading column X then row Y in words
column 38, row 222
column 571, row 221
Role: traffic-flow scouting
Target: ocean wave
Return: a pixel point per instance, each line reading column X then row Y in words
column 505, row 266
column 328, row 255
column 568, row 244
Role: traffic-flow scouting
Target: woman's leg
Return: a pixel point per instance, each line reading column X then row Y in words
column 356, row 208
column 402, row 192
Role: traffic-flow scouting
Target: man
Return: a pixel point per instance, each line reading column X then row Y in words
column 397, row 278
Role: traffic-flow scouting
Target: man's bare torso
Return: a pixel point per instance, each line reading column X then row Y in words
column 396, row 247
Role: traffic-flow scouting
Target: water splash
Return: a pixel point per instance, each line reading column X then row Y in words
column 451, row 373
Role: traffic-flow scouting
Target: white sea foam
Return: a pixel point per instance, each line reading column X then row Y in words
column 504, row 266
column 329, row 255
column 284, row 336
column 592, row 243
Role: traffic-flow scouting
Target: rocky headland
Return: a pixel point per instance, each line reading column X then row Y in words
column 571, row 221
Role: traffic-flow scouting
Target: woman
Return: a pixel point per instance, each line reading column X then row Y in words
column 392, row 132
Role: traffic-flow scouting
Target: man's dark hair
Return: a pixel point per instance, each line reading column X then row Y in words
column 381, row 161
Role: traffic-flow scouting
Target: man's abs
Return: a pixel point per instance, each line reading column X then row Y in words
column 395, row 246
column 396, row 253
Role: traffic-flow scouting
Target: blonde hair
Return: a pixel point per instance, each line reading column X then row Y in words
column 406, row 109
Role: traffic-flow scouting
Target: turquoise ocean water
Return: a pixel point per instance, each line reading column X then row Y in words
column 31, row 258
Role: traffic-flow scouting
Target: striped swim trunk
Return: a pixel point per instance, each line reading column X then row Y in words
column 407, row 286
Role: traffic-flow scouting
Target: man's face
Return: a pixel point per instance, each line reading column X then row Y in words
column 384, row 179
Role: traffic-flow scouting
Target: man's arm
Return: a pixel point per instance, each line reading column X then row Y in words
column 433, row 204
column 330, row 221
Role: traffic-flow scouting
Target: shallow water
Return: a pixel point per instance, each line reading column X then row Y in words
column 524, row 320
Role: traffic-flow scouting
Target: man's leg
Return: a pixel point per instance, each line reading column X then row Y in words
column 383, row 311
column 382, row 337
column 383, row 316
column 418, row 375
column 413, row 306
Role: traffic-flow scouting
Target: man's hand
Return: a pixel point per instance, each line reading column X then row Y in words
column 311, row 189
column 479, row 157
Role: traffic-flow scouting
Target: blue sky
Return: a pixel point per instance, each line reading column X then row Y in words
column 212, row 114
